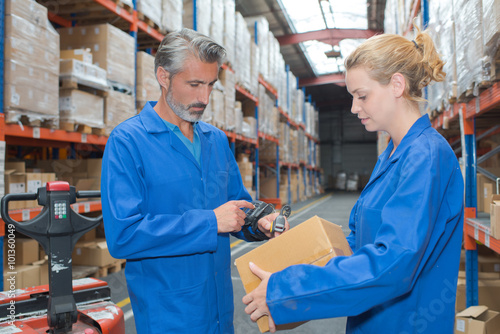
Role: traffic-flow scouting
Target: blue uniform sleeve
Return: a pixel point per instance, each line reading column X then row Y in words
column 427, row 195
column 351, row 238
column 131, row 231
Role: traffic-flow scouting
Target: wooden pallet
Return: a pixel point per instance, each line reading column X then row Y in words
column 124, row 6
column 75, row 83
column 81, row 128
column 150, row 22
column 84, row 271
column 111, row 268
column 31, row 119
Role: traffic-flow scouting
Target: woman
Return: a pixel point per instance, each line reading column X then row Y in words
column 406, row 227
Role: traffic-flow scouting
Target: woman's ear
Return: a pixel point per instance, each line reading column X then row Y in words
column 398, row 82
column 163, row 77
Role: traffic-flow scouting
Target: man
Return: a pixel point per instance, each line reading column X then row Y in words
column 171, row 195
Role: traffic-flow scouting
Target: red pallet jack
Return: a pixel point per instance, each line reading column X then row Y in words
column 63, row 306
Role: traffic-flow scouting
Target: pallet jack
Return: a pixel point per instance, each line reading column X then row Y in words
column 80, row 306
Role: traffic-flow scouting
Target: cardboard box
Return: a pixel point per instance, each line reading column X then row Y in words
column 112, row 49
column 83, row 73
column 84, row 55
column 93, row 253
column 477, row 320
column 118, row 107
column 24, row 276
column 44, row 271
column 489, row 290
column 148, row 88
column 315, row 241
column 79, row 107
column 495, row 216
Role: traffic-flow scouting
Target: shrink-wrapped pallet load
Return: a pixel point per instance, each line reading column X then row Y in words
column 470, row 48
column 112, row 50
column 242, row 53
column 118, row 107
column 229, row 30
column 31, row 57
column 148, row 88
column 151, row 10
column 217, row 25
column 203, row 10
column 172, row 15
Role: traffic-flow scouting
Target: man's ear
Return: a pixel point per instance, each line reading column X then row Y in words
column 398, row 82
column 163, row 77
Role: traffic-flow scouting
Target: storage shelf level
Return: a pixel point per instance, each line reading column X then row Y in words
column 479, row 229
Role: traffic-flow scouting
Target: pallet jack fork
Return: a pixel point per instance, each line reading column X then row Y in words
column 63, row 306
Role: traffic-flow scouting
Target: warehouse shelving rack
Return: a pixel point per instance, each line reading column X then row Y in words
column 476, row 119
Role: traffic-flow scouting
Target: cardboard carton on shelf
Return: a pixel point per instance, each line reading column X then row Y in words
column 93, row 253
column 495, row 216
column 84, row 55
column 24, row 276
column 314, row 241
column 477, row 320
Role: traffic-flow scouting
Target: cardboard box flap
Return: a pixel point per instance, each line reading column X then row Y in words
column 102, row 245
column 473, row 311
column 495, row 198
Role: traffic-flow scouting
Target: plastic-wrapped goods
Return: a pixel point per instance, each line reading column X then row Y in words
column 148, row 88
column 238, row 115
column 208, row 115
column 260, row 25
column 79, row 107
column 112, row 50
column 300, row 106
column 301, row 145
column 469, row 42
column 294, row 146
column 228, row 80
column 217, row 25
column 292, row 95
column 390, row 17
column 267, row 151
column 442, row 30
column 282, row 85
column 219, row 112
column 242, row 52
column 31, row 53
column 254, row 68
column 203, row 15
column 491, row 29
column 83, row 73
column 250, row 127
column 118, row 107
column 171, row 19
column 284, row 142
column 151, row 9
column 229, row 30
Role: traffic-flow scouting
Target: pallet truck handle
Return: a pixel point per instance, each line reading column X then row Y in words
column 14, row 197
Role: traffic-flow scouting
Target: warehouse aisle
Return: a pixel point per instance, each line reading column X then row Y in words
column 334, row 207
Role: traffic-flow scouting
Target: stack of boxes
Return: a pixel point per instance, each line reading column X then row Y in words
column 114, row 51
column 246, row 171
column 31, row 57
column 148, row 88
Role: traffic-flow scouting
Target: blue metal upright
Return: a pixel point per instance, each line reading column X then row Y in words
column 195, row 16
column 469, row 157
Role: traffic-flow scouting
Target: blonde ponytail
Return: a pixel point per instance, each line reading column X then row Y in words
column 387, row 54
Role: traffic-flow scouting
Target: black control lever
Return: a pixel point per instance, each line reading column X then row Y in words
column 57, row 228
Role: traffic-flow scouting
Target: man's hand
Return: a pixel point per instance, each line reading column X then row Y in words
column 230, row 217
column 266, row 222
column 256, row 300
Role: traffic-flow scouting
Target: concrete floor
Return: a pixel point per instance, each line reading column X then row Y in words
column 334, row 207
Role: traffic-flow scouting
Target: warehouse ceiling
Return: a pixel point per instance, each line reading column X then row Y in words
column 327, row 91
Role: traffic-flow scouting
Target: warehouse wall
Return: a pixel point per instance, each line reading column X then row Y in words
column 345, row 145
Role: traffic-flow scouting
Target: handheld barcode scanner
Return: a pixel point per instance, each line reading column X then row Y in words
column 65, row 306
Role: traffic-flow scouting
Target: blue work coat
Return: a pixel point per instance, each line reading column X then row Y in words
column 406, row 235
column 157, row 203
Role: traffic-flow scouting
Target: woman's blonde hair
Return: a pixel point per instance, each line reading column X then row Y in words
column 387, row 54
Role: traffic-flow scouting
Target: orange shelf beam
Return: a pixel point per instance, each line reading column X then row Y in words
column 268, row 137
column 150, row 31
column 481, row 233
column 113, row 7
column 234, row 136
column 268, row 86
column 247, row 94
column 35, row 133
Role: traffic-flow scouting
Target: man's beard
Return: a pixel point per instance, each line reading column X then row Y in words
column 183, row 111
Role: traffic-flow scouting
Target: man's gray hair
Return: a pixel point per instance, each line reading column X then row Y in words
column 177, row 46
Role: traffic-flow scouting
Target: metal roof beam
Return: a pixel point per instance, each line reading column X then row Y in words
column 337, row 79
column 330, row 36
